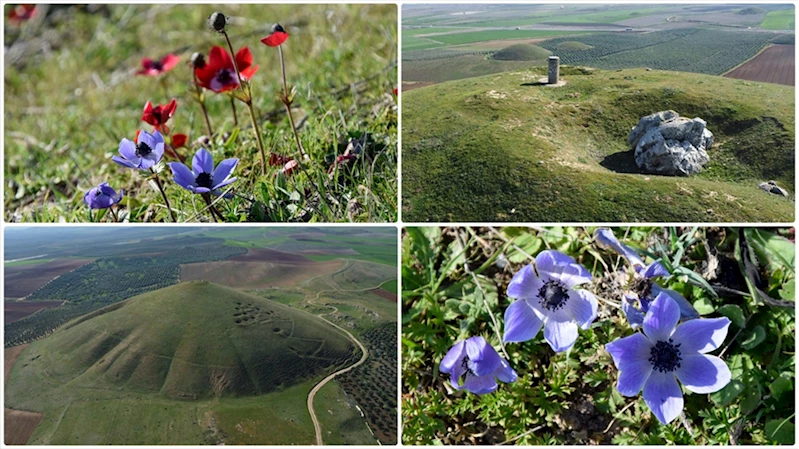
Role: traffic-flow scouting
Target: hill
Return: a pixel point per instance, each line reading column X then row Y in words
column 190, row 341
column 501, row 148
column 522, row 52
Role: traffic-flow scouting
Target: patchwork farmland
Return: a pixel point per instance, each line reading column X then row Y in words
column 775, row 64
column 213, row 337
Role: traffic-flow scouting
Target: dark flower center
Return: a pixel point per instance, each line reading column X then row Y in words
column 553, row 295
column 643, row 287
column 665, row 356
column 142, row 149
column 158, row 66
column 204, row 180
column 466, row 366
column 224, row 77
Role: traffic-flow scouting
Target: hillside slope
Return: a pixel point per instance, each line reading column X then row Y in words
column 502, row 148
column 194, row 340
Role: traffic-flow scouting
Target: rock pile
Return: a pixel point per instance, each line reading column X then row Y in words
column 667, row 144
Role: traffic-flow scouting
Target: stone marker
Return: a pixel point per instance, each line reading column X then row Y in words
column 554, row 70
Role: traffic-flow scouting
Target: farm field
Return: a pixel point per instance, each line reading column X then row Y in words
column 197, row 362
column 22, row 280
column 775, row 64
column 709, row 39
column 780, row 20
column 15, row 310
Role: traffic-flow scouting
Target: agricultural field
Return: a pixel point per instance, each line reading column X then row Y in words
column 199, row 362
column 780, row 20
column 775, row 64
column 16, row 310
column 709, row 39
column 20, row 280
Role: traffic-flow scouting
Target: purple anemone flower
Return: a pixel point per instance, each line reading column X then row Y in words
column 549, row 300
column 102, row 197
column 479, row 364
column 204, row 178
column 665, row 352
column 644, row 288
column 146, row 152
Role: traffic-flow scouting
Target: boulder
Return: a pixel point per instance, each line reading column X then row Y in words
column 667, row 144
column 773, row 188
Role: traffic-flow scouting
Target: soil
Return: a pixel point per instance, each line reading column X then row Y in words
column 385, row 294
column 271, row 255
column 16, row 310
column 775, row 64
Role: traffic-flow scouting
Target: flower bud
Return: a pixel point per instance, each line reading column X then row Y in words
column 197, row 60
column 278, row 28
column 217, row 21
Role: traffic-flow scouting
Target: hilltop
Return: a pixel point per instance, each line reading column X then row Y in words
column 502, row 148
column 192, row 340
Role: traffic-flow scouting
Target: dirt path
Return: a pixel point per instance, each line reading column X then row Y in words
column 323, row 382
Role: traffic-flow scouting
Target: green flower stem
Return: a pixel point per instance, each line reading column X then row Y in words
column 201, row 100
column 163, row 194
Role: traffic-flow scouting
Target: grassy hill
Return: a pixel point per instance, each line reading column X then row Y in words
column 501, row 148
column 522, row 52
column 184, row 348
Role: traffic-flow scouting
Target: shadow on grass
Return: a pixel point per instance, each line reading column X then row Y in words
column 622, row 162
column 537, row 83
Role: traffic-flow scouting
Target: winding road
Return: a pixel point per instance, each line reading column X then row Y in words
column 323, row 382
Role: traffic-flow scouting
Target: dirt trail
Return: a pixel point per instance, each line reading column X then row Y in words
column 323, row 382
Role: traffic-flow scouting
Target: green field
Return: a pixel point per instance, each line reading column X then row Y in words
column 780, row 20
column 411, row 43
column 390, row 286
column 490, row 35
column 22, row 263
column 429, row 30
column 512, row 151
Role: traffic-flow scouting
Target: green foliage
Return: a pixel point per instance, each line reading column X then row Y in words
column 570, row 398
column 780, row 20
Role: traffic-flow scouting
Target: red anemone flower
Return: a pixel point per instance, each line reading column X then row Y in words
column 155, row 68
column 277, row 37
column 159, row 115
column 219, row 73
column 288, row 169
column 179, row 140
column 21, row 13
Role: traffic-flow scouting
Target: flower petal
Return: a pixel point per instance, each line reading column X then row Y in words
column 561, row 267
column 663, row 396
column 686, row 309
column 125, row 162
column 702, row 335
column 634, row 316
column 521, row 322
column 560, row 335
column 480, row 384
column 182, row 175
column 661, row 318
column 633, row 377
column 582, row 306
column 629, row 350
column 128, row 150
column 244, row 58
column 505, row 373
column 605, row 238
column 203, row 162
column 656, row 270
column 224, row 183
column 201, row 189
column 703, row 374
column 453, row 357
column 483, row 358
column 525, row 284
column 224, row 169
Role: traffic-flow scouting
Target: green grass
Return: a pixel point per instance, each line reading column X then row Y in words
column 430, row 30
column 490, row 35
column 495, row 149
column 340, row 419
column 460, row 67
column 780, row 20
column 22, row 263
column 63, row 144
column 165, row 348
column 411, row 43
column 390, row 286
